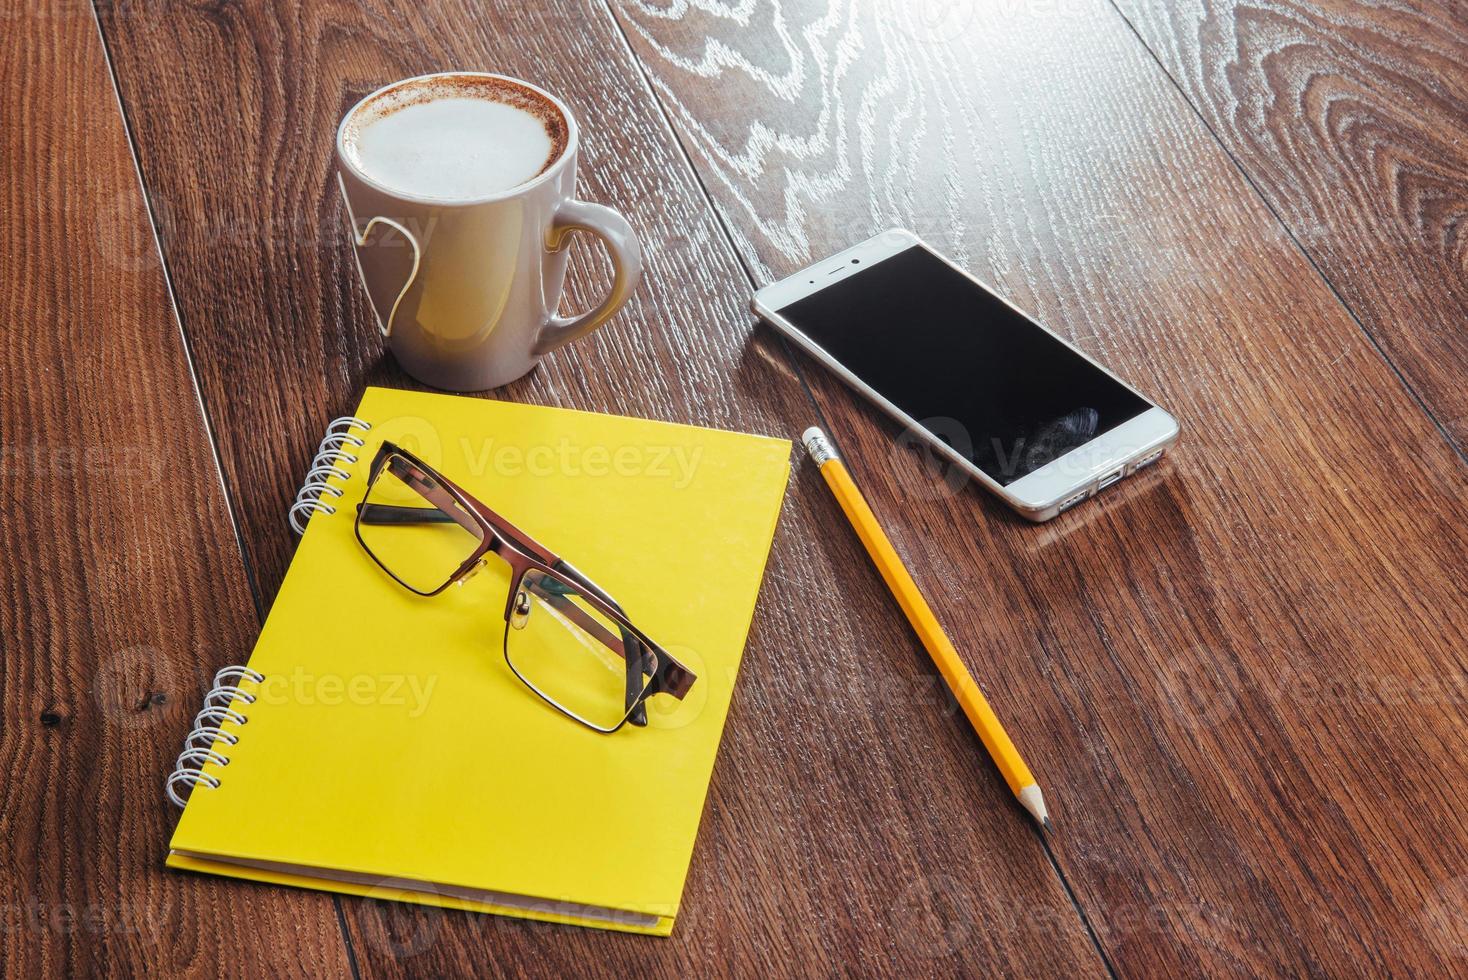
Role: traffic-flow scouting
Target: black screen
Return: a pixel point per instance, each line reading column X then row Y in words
column 998, row 389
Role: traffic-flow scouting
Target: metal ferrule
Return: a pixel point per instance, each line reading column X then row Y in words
column 818, row 446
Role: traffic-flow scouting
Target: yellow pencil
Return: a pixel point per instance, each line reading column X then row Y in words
column 965, row 689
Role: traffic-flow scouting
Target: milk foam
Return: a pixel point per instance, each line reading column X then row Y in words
column 451, row 148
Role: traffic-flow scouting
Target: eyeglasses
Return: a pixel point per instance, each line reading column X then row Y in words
column 565, row 638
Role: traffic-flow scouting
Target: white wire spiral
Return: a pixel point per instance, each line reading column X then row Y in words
column 329, row 461
column 207, row 731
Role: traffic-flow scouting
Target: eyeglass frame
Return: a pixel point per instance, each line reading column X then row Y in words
column 524, row 555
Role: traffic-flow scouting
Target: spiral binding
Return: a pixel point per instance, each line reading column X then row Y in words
column 199, row 747
column 327, row 463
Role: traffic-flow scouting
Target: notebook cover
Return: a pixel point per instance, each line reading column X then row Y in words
column 391, row 740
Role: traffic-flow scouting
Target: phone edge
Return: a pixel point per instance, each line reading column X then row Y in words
column 1036, row 512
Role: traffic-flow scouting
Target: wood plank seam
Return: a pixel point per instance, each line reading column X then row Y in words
column 167, row 270
column 794, row 364
column 231, row 506
column 1459, row 449
column 709, row 78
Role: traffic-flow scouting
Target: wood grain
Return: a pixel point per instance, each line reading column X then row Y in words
column 124, row 588
column 1351, row 120
column 1243, row 672
column 828, row 844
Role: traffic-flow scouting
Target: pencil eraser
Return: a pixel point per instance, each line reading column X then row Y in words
column 818, row 446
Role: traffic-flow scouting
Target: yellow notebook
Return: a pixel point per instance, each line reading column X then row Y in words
column 391, row 752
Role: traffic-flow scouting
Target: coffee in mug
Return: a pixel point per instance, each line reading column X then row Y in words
column 459, row 189
column 455, row 138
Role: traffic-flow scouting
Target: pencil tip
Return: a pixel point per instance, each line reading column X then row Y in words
column 1032, row 800
column 1049, row 828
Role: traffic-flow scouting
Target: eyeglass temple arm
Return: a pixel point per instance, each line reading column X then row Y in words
column 387, row 514
column 397, row 514
column 446, row 507
column 394, row 514
column 671, row 677
column 580, row 616
column 427, row 481
column 637, row 692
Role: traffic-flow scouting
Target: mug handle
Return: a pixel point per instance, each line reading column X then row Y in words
column 626, row 255
column 359, row 241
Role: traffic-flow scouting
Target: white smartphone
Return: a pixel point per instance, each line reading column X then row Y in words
column 1038, row 423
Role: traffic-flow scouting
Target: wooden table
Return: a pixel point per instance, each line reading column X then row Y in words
column 1242, row 677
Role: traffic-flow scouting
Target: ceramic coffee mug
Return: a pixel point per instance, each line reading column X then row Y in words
column 465, row 278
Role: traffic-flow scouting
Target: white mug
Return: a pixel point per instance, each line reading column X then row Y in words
column 470, row 287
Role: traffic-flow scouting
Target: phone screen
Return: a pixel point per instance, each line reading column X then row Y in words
column 1002, row 392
